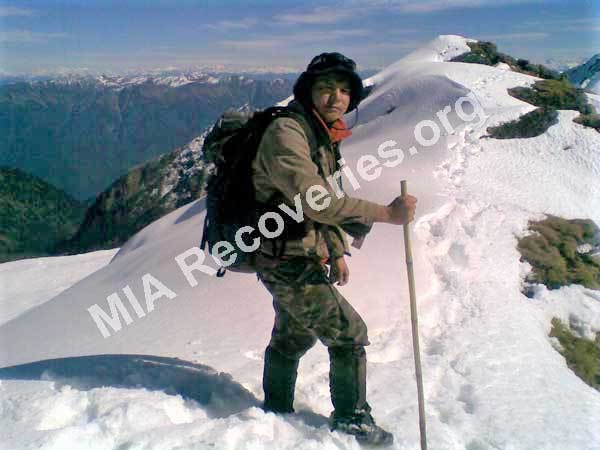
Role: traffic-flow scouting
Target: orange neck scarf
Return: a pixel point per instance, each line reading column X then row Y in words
column 338, row 130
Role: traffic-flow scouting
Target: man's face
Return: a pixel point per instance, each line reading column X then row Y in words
column 331, row 96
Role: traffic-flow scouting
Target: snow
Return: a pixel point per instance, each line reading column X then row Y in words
column 187, row 374
column 188, row 78
column 594, row 100
column 186, row 164
column 28, row 283
column 174, row 81
column 592, row 84
column 173, row 78
column 503, row 66
column 121, row 82
column 587, row 75
column 584, row 248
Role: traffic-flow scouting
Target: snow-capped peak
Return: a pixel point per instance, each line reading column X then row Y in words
column 443, row 48
column 587, row 75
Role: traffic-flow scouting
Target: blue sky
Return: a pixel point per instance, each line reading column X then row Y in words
column 115, row 36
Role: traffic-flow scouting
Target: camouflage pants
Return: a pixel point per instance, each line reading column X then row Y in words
column 308, row 307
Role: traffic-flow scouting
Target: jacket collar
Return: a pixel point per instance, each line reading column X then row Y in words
column 338, row 131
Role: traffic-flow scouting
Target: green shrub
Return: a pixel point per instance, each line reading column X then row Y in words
column 483, row 52
column 552, row 95
column 552, row 252
column 589, row 120
column 528, row 125
column 555, row 94
column 582, row 355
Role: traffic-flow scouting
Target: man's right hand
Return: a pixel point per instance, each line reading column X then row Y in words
column 402, row 209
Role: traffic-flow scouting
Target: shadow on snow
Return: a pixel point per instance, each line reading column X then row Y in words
column 218, row 393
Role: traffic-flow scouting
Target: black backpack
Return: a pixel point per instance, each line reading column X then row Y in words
column 231, row 204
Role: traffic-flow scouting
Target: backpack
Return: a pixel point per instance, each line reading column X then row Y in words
column 231, row 147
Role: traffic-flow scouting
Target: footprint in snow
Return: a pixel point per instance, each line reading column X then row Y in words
column 467, row 397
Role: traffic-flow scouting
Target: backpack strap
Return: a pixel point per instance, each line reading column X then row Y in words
column 272, row 114
column 313, row 144
column 204, row 234
column 279, row 111
column 276, row 112
column 310, row 134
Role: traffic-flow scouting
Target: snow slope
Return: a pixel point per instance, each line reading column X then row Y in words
column 30, row 282
column 492, row 377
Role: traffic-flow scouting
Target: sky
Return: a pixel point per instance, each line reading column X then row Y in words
column 40, row 36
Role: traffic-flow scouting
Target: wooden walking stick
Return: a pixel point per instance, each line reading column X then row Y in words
column 415, row 325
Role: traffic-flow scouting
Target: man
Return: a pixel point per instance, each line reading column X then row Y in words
column 296, row 154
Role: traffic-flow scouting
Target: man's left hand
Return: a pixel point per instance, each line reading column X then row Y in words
column 339, row 271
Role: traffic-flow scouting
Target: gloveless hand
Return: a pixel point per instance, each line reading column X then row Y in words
column 339, row 271
column 402, row 209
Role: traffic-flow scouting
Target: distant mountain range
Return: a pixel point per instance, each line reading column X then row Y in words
column 144, row 194
column 81, row 133
column 586, row 75
column 563, row 64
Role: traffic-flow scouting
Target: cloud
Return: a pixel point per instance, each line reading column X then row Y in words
column 318, row 16
column 30, row 36
column 253, row 44
column 532, row 36
column 587, row 20
column 226, row 25
column 562, row 25
column 6, row 11
column 273, row 42
column 428, row 6
column 438, row 5
column 570, row 29
column 586, row 24
column 405, row 45
column 331, row 35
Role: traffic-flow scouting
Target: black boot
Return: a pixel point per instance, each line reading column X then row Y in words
column 363, row 427
column 279, row 381
column 348, row 385
column 348, row 379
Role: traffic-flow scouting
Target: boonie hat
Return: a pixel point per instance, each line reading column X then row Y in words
column 327, row 63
